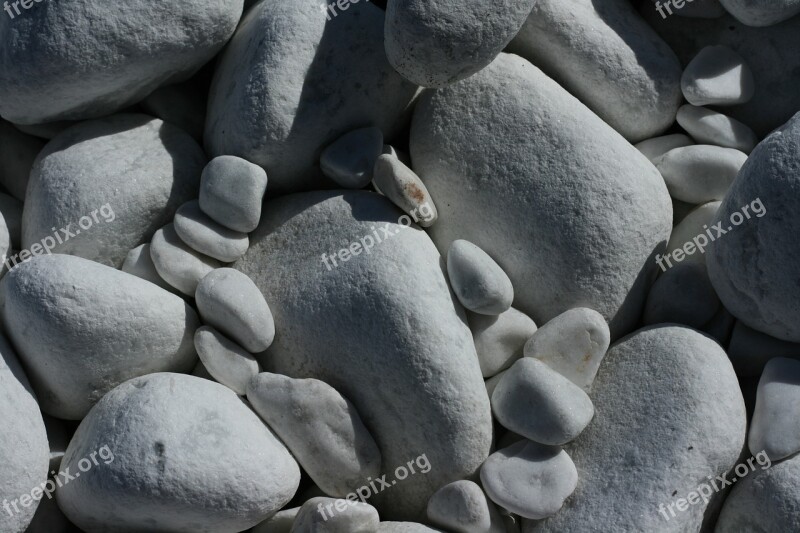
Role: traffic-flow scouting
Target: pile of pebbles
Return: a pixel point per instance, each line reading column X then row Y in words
column 400, row 267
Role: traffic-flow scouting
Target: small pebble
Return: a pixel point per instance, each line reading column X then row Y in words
column 329, row 515
column 177, row 263
column 404, row 188
column 710, row 127
column 227, row 362
column 404, row 527
column 480, row 284
column 231, row 192
column 460, row 507
column 499, row 339
column 139, row 263
column 654, row 148
column 682, row 295
column 774, row 428
column 350, row 160
column 700, row 173
column 717, row 76
column 199, row 231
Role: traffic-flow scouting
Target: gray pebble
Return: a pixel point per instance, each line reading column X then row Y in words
column 177, row 263
column 499, row 339
column 199, row 231
column 700, row 173
column 773, row 429
column 402, row 186
column 710, row 127
column 350, row 159
column 479, row 283
column 227, row 362
column 717, row 76
column 460, row 507
column 654, row 148
column 280, row 522
column 231, row 192
column 329, row 515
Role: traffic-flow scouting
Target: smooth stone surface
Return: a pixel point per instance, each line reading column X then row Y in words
column 717, row 76
column 350, row 517
column 478, row 281
column 139, row 167
column 772, row 428
column 139, row 263
column 499, row 339
column 24, row 453
column 232, row 303
column 78, row 327
column 700, row 173
column 762, row 12
column 434, row 44
column 234, row 474
column 492, row 382
column 404, row 527
column 654, row 148
column 573, row 344
column 199, row 231
column 755, row 267
column 232, row 191
column 750, row 350
column 322, row 429
column 683, row 295
column 460, row 507
column 280, row 522
column 402, row 353
column 8, row 260
column 710, row 127
column 18, row 151
column 694, row 225
column 668, row 413
column 488, row 191
column 177, row 263
column 350, row 159
column 227, row 362
column 537, row 402
column 290, row 83
column 11, row 211
column 392, row 178
column 765, row 501
column 609, row 58
column 529, row 479
column 89, row 63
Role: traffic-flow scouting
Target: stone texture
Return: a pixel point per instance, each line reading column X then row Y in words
column 710, row 127
column 700, row 173
column 139, row 263
column 177, row 263
column 231, row 192
column 478, row 281
column 347, row 517
column 499, row 339
column 772, row 429
column 717, row 76
column 199, row 231
column 460, row 507
column 654, row 148
column 227, row 362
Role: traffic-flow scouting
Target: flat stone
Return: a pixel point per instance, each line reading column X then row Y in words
column 754, row 267
column 232, row 303
column 762, row 12
column 537, row 402
column 139, row 263
column 694, row 228
column 637, row 89
column 141, row 430
column 573, row 344
column 750, row 350
column 231, row 192
column 350, row 159
column 199, row 231
column 700, row 173
column 227, row 362
column 683, row 295
column 434, row 44
column 177, row 263
column 322, row 429
column 777, row 406
column 717, row 76
column 392, row 178
column 529, row 479
column 329, row 515
column 88, row 321
column 654, row 148
column 710, row 127
column 18, row 151
column 280, row 522
column 478, row 281
column 551, row 270
column 499, row 339
column 460, row 507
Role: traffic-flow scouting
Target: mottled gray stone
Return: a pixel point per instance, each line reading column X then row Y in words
column 227, row 362
column 717, row 76
column 710, row 127
column 396, row 181
column 762, row 12
column 350, row 159
column 773, row 428
column 329, row 515
column 654, row 148
column 460, row 507
column 478, row 281
column 179, row 265
column 204, row 235
column 231, row 192
column 700, row 173
column 499, row 339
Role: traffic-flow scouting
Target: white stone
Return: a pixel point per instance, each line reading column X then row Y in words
column 231, row 192
column 773, row 428
column 700, row 173
column 654, row 148
column 280, row 522
column 710, row 127
column 227, row 362
column 460, row 507
column 329, row 515
column 392, row 178
column 717, row 76
column 499, row 339
column 177, row 263
column 204, row 235
column 478, row 281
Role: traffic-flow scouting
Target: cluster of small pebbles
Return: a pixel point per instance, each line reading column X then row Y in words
column 400, row 266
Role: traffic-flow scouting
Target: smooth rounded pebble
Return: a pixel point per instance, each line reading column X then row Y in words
column 350, row 159
column 139, row 263
column 190, row 454
column 537, row 402
column 490, row 190
column 280, row 522
column 199, row 231
column 177, row 263
column 321, row 428
column 529, row 479
column 227, row 362
column 232, row 303
column 11, row 211
column 683, row 295
column 700, row 173
column 232, row 191
column 654, row 148
column 460, row 507
column 82, row 328
column 404, row 527
column 693, row 229
column 609, row 58
column 772, row 428
column 90, row 61
column 18, row 151
column 750, row 350
column 24, row 453
column 762, row 12
column 436, row 43
column 392, row 178
column 329, row 515
column 479, row 283
column 573, row 344
column 499, row 339
column 290, row 83
column 717, row 76
column 668, row 408
column 755, row 267
column 402, row 352
column 710, row 127
column 106, row 185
